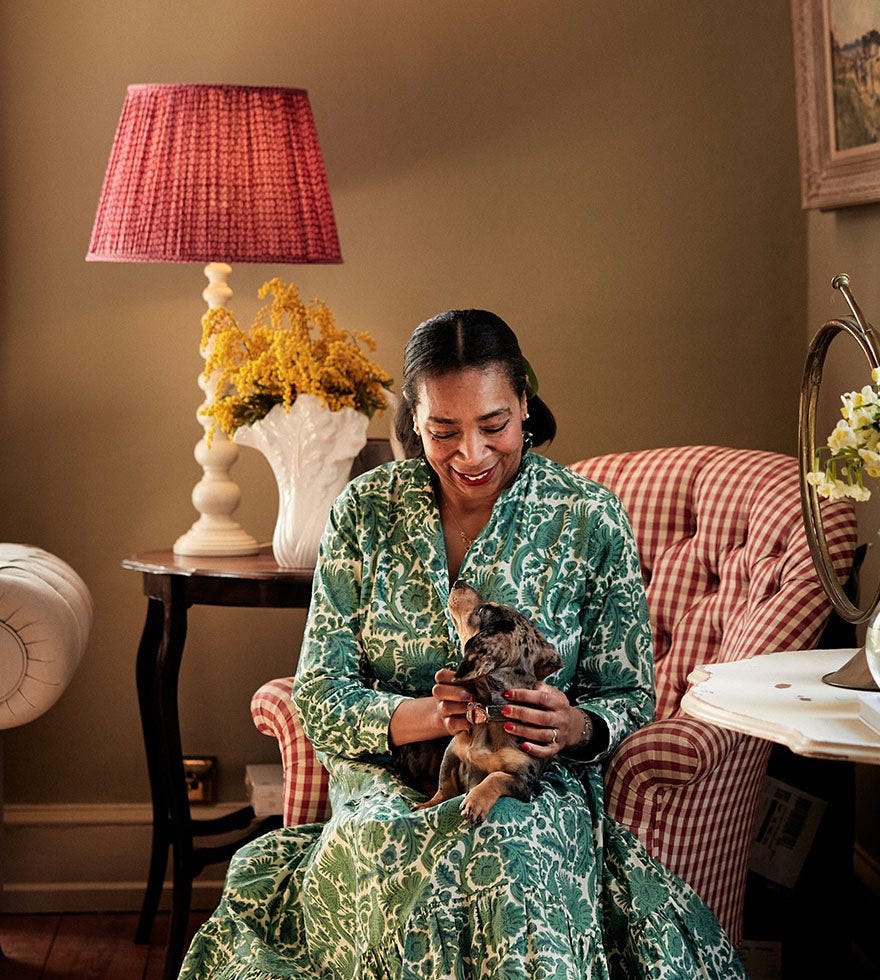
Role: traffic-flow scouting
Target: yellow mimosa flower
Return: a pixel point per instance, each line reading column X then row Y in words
column 279, row 358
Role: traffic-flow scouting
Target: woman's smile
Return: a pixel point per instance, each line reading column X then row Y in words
column 475, row 479
column 470, row 422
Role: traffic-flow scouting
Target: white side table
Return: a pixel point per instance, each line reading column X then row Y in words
column 781, row 697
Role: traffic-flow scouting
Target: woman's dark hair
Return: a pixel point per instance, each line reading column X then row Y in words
column 466, row 339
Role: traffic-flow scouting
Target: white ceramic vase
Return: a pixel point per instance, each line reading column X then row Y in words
column 310, row 450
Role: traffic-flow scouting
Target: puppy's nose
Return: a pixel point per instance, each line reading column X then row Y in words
column 459, row 584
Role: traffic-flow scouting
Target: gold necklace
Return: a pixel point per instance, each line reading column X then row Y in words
column 467, row 541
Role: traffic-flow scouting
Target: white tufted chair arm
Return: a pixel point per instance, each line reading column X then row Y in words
column 45, row 621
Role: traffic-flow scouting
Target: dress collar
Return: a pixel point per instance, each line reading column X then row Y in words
column 421, row 515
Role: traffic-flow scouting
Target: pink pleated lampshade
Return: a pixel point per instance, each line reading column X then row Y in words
column 215, row 173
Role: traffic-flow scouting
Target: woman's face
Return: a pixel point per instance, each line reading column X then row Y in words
column 470, row 423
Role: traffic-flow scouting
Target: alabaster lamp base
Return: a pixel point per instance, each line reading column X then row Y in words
column 216, row 495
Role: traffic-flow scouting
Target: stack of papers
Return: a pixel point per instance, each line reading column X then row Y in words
column 265, row 788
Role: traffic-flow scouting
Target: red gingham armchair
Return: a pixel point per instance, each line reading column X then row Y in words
column 728, row 575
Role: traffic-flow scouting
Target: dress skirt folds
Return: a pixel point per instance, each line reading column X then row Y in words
column 551, row 888
column 540, row 890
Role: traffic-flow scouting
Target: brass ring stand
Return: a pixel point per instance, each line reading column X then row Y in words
column 854, row 674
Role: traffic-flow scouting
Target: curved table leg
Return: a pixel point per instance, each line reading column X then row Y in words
column 177, row 816
column 147, row 659
column 158, row 670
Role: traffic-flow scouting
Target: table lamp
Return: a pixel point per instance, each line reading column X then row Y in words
column 215, row 174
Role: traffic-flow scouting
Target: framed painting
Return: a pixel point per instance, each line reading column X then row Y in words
column 837, row 87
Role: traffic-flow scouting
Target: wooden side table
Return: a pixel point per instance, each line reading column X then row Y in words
column 173, row 583
column 781, row 697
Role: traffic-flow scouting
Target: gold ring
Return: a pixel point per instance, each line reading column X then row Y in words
column 555, row 734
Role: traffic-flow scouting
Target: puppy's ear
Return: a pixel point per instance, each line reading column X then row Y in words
column 494, row 619
column 480, row 658
column 547, row 661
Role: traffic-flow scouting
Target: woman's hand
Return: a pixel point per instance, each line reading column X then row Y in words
column 543, row 720
column 452, row 701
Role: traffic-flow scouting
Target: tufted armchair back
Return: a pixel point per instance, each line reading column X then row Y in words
column 728, row 575
column 725, row 558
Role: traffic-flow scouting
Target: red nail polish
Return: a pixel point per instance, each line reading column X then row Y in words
column 525, row 747
column 508, row 727
column 506, row 710
column 507, row 694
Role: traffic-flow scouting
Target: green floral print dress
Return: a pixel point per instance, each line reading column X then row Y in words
column 552, row 888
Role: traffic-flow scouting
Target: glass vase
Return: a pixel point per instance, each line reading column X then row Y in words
column 872, row 649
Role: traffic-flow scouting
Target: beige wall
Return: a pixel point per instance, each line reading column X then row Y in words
column 619, row 180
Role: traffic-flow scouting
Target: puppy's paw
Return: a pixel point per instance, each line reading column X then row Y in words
column 435, row 800
column 472, row 814
column 475, row 806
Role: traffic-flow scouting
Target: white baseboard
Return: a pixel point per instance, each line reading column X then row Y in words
column 33, row 897
column 93, row 857
column 88, row 858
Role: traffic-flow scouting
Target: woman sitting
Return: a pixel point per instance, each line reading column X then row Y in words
column 547, row 888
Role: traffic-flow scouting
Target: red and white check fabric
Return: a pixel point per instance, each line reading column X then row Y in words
column 728, row 575
column 305, row 779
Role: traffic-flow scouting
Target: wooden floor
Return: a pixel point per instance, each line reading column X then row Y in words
column 83, row 947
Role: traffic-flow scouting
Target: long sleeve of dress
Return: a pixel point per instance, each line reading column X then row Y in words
column 340, row 713
column 614, row 678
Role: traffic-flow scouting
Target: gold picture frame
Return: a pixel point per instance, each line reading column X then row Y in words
column 837, row 70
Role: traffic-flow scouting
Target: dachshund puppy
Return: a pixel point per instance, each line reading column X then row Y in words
column 501, row 649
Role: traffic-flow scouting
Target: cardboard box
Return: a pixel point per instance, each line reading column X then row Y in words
column 787, row 820
column 265, row 788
